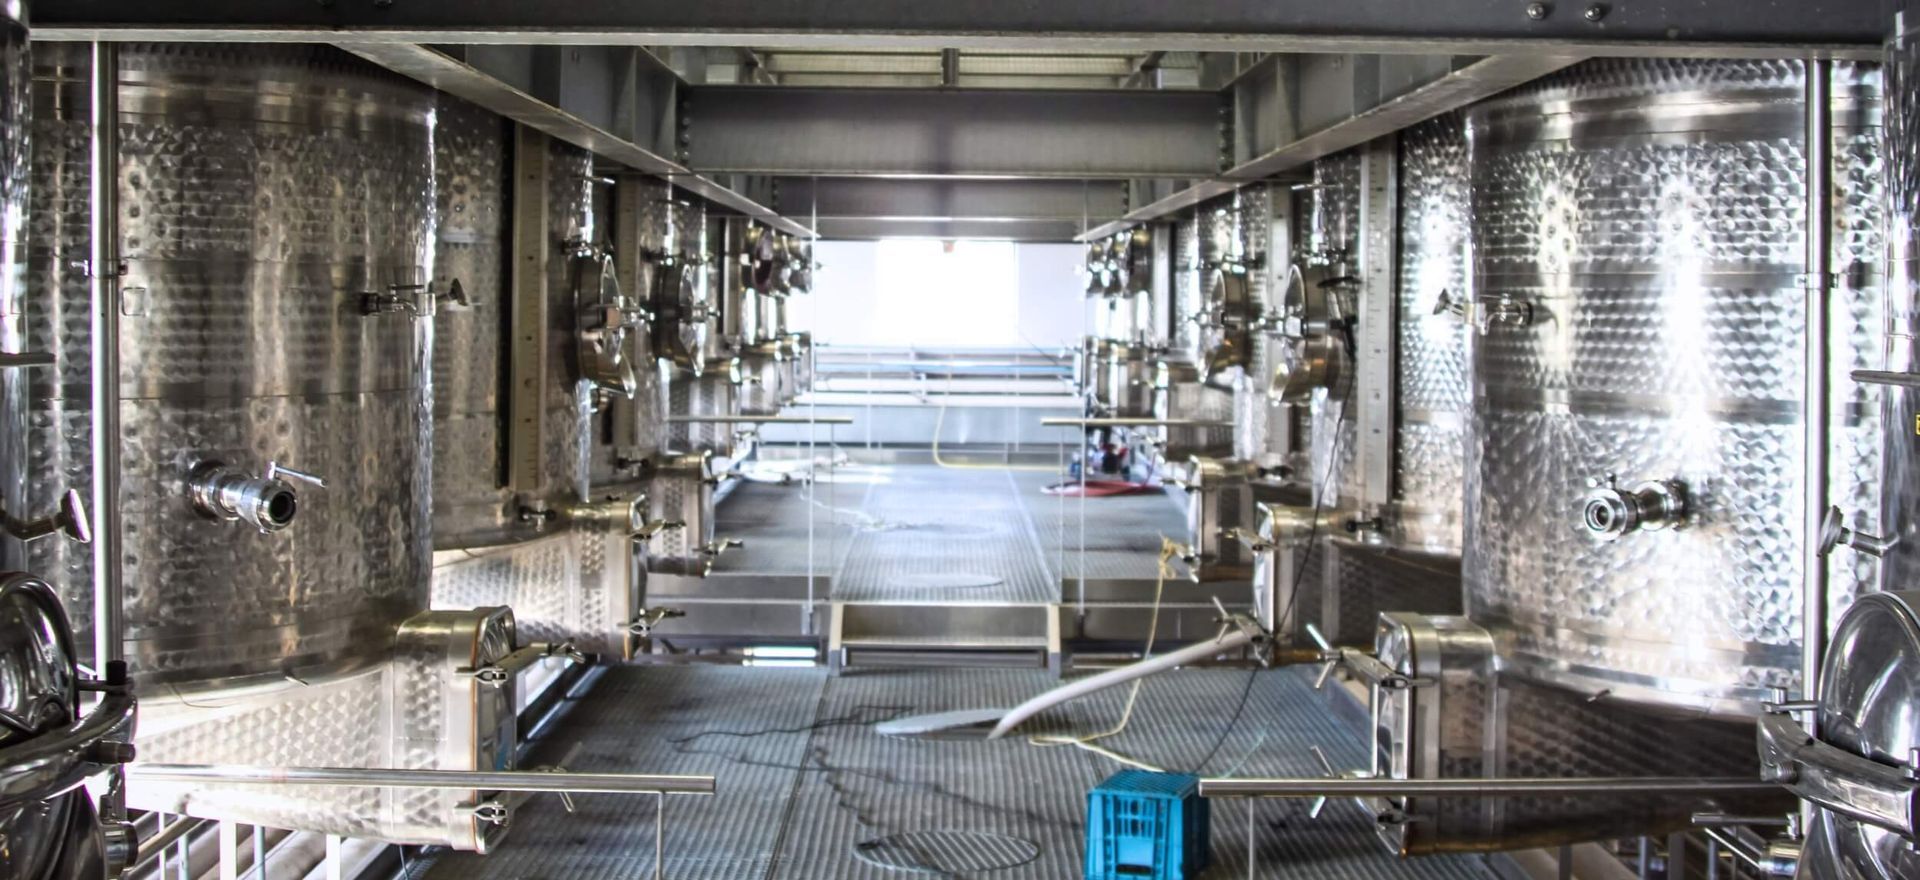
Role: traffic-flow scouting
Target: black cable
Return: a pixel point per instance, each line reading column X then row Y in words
column 822, row 724
column 1300, row 572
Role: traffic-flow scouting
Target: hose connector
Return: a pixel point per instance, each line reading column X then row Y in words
column 266, row 502
column 1608, row 512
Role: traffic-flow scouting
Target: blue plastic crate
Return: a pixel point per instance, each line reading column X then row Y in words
column 1146, row 825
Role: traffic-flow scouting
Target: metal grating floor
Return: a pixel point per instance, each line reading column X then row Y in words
column 772, row 521
column 1121, row 534
column 804, row 781
column 920, row 533
column 943, row 535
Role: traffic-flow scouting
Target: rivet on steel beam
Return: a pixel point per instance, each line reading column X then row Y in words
column 1596, row 11
column 1539, row 11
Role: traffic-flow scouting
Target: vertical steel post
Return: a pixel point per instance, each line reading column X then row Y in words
column 103, row 270
column 1377, row 358
column 1816, row 405
column 532, row 243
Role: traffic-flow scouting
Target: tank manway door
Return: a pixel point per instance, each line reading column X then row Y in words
column 1862, row 773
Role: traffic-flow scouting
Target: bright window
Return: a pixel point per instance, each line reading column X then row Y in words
column 935, row 294
column 931, row 294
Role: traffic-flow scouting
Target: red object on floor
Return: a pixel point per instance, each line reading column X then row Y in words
column 1101, row 488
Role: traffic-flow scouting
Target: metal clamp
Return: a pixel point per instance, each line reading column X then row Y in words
column 492, row 813
column 415, row 300
column 649, row 618
column 1883, row 795
column 1608, row 512
column 648, row 529
column 267, row 502
column 69, row 519
column 716, row 548
column 1834, row 532
column 536, row 514
column 491, row 675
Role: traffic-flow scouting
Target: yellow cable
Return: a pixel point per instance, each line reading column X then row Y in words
column 940, row 421
column 1168, row 550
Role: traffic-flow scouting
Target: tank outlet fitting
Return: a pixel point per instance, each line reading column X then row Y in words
column 1608, row 512
column 266, row 502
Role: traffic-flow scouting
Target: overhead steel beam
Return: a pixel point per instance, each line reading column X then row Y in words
column 895, row 198
column 1459, row 86
column 1080, row 134
column 570, row 90
column 873, row 228
column 1640, row 27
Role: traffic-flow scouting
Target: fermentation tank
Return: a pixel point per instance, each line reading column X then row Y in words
column 1858, row 768
column 270, row 328
column 472, row 505
column 1634, row 506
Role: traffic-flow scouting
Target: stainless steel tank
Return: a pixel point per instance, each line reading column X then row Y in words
column 575, row 228
column 16, row 131
column 278, row 226
column 1431, row 377
column 1633, row 517
column 472, row 505
column 1900, row 502
column 56, row 456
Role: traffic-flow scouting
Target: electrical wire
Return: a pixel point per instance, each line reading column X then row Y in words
column 1168, row 550
column 1300, row 571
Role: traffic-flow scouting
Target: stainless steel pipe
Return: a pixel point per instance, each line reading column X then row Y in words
column 1816, row 406
column 1312, row 787
column 530, row 781
column 103, row 278
column 1071, row 421
column 759, row 420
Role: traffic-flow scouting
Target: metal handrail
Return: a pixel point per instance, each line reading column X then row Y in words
column 386, row 777
column 1312, row 787
column 538, row 781
column 760, row 420
column 1071, row 421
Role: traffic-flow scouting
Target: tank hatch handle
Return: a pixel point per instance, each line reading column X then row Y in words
column 1883, row 795
column 1834, row 532
column 69, row 519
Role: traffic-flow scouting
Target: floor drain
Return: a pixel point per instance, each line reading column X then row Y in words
column 948, row 580
column 947, row 852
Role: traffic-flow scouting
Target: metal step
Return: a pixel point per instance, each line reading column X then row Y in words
column 943, row 634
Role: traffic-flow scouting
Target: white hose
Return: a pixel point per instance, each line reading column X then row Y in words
column 1230, row 638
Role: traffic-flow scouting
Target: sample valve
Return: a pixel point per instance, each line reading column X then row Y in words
column 1608, row 511
column 266, row 502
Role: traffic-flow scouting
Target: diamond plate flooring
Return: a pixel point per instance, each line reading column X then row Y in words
column 804, row 781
